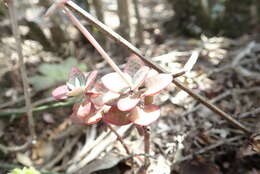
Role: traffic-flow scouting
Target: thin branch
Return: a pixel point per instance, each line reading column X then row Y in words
column 7, row 149
column 119, row 139
column 16, row 33
column 222, row 96
column 135, row 50
column 113, row 35
column 141, row 154
column 250, row 113
column 19, row 111
column 93, row 41
column 15, row 30
column 95, row 152
column 243, row 53
column 146, row 144
column 67, row 148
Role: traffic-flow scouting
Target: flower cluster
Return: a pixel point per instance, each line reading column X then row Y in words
column 113, row 99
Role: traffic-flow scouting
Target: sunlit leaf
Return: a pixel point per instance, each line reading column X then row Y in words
column 91, row 79
column 145, row 116
column 94, row 117
column 60, row 92
column 133, row 64
column 151, row 73
column 191, row 62
column 53, row 8
column 127, row 103
column 82, row 109
column 157, row 83
column 140, row 76
column 116, row 117
column 100, row 88
column 77, row 82
column 76, row 79
column 85, row 113
column 115, row 83
column 101, row 95
column 108, row 98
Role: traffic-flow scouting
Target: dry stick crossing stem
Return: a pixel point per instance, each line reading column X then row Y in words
column 93, row 41
column 109, row 32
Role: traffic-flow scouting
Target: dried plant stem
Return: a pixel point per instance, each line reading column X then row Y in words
column 146, row 144
column 113, row 35
column 15, row 148
column 13, row 16
column 120, row 139
column 93, row 41
column 135, row 50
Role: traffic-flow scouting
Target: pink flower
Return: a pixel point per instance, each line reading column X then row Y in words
column 84, row 112
column 131, row 103
column 77, row 84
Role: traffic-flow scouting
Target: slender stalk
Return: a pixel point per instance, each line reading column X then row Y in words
column 119, row 138
column 135, row 50
column 146, row 144
column 113, row 35
column 93, row 41
column 16, row 33
column 7, row 149
column 19, row 111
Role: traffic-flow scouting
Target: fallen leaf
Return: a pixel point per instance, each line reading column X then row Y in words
column 24, row 159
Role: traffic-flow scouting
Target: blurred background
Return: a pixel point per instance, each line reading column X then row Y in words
column 225, row 33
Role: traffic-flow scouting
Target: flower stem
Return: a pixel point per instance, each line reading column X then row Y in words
column 93, row 41
column 146, row 144
column 119, row 138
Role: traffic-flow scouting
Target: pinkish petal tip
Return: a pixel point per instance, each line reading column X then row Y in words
column 60, row 92
column 157, row 83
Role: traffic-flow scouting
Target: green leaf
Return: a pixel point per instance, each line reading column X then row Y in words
column 51, row 74
column 25, row 170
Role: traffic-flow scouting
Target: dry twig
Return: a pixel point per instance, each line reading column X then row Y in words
column 99, row 148
column 62, row 153
column 249, row 113
column 16, row 33
column 15, row 30
column 119, row 139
